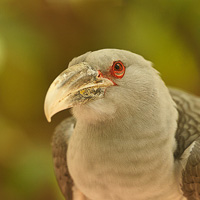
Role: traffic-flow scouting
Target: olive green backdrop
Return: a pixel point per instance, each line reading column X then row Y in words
column 37, row 40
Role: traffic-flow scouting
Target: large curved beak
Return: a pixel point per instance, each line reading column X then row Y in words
column 76, row 85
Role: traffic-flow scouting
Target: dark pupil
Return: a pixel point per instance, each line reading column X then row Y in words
column 117, row 66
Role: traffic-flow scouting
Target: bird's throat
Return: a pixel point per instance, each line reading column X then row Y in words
column 110, row 157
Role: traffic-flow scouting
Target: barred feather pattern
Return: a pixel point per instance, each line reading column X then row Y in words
column 59, row 149
column 188, row 136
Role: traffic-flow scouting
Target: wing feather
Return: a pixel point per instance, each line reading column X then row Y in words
column 188, row 137
column 188, row 130
column 59, row 148
column 191, row 174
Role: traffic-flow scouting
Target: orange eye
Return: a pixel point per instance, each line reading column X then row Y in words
column 118, row 69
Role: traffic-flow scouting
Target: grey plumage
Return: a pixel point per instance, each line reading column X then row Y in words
column 59, row 149
column 188, row 134
column 191, row 174
column 146, row 149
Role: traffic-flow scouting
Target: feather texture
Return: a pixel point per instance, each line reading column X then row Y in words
column 59, row 148
column 141, row 141
column 188, row 137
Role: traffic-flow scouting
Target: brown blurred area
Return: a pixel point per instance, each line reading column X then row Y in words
column 38, row 39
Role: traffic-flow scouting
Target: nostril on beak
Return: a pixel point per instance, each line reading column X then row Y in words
column 100, row 75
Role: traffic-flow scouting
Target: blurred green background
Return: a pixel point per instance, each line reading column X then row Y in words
column 37, row 40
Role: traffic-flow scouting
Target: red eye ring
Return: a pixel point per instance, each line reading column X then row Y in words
column 118, row 69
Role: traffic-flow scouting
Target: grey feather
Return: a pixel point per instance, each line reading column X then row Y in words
column 79, row 59
column 188, row 133
column 59, row 147
column 191, row 174
column 188, row 130
column 180, row 132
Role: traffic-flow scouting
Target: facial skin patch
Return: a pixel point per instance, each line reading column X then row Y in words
column 91, row 92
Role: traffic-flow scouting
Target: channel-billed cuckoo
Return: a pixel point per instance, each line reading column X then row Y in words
column 130, row 137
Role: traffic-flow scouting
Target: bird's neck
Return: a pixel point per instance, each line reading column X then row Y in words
column 155, row 120
column 138, row 150
column 152, row 125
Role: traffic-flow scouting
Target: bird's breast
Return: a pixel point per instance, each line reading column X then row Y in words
column 121, row 169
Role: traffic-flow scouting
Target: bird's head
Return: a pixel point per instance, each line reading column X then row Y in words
column 102, row 83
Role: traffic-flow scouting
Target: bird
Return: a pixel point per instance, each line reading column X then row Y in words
column 130, row 137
